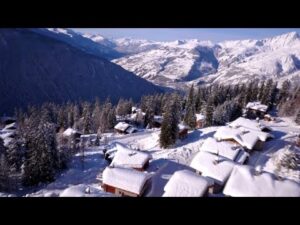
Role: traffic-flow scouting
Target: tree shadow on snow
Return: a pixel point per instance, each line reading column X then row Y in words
column 195, row 136
column 278, row 134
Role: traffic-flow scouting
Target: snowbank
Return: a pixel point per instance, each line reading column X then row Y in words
column 83, row 190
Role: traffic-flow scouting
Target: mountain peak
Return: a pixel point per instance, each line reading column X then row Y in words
column 283, row 39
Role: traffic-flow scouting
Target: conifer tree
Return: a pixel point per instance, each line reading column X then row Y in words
column 297, row 119
column 87, row 120
column 261, row 91
column 4, row 173
column 190, row 117
column 169, row 127
column 284, row 91
column 209, row 112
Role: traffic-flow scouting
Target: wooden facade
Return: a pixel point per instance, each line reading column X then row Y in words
column 125, row 193
column 253, row 114
column 200, row 124
column 143, row 168
column 182, row 134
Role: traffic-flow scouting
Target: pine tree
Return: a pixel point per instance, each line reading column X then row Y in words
column 107, row 118
column 190, row 117
column 41, row 159
column 261, row 91
column 297, row 119
column 120, row 110
column 209, row 112
column 169, row 127
column 96, row 116
column 198, row 100
column 267, row 96
column 112, row 118
column 226, row 112
column 4, row 173
column 284, row 91
column 87, row 120
column 62, row 118
column 15, row 154
column 76, row 115
column 149, row 117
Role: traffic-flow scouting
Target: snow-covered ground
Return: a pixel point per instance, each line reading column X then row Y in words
column 285, row 133
column 81, row 179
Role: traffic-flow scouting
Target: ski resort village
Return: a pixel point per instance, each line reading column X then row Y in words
column 256, row 154
column 196, row 120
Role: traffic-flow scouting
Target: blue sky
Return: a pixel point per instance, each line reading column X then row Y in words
column 168, row 34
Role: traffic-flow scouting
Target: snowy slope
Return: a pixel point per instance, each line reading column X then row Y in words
column 194, row 61
column 168, row 62
column 89, row 44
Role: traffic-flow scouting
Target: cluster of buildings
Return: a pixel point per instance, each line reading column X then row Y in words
column 127, row 124
column 218, row 168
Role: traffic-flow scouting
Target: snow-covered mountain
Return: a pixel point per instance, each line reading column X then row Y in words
column 87, row 43
column 183, row 62
column 36, row 68
column 167, row 63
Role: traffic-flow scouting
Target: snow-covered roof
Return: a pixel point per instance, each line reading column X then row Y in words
column 200, row 117
column 131, row 130
column 262, row 136
column 126, row 179
column 204, row 163
column 122, row 126
column 134, row 115
column 244, row 183
column 70, row 131
column 185, row 183
column 257, row 106
column 223, row 148
column 126, row 157
column 158, row 119
column 246, row 123
column 182, row 126
column 90, row 137
column 245, row 137
column 10, row 126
